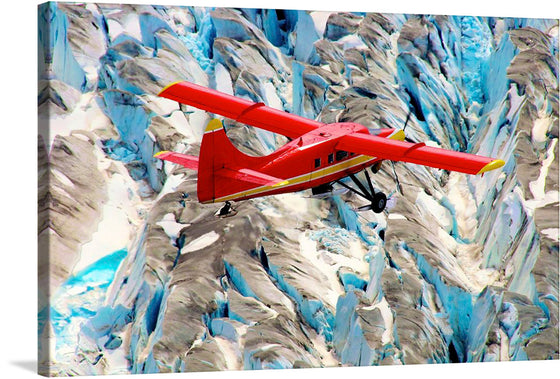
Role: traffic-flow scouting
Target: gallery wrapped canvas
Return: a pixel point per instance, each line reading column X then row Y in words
column 171, row 241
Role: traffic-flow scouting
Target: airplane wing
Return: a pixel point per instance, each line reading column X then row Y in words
column 251, row 176
column 185, row 160
column 241, row 110
column 418, row 153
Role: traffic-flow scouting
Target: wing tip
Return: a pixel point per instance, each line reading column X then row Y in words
column 496, row 163
column 159, row 154
column 169, row 86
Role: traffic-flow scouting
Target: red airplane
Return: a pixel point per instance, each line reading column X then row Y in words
column 317, row 156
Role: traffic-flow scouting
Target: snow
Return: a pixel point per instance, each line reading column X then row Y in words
column 540, row 129
column 320, row 21
column 383, row 306
column 537, row 186
column 171, row 226
column 223, row 79
column 232, row 354
column 129, row 25
column 198, row 121
column 464, row 204
column 162, row 105
column 294, row 203
column 115, row 28
column 552, row 233
column 62, row 178
column 200, row 242
column 120, row 216
column 504, row 346
column 271, row 97
column 328, row 358
column 86, row 113
column 352, row 42
column 308, row 249
column 172, row 182
column 113, row 233
column 428, row 205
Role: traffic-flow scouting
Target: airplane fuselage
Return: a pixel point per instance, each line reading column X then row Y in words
column 309, row 161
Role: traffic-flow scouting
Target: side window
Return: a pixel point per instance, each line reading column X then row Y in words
column 341, row 154
column 331, row 158
column 317, row 162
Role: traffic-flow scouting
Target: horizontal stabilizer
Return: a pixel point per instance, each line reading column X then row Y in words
column 187, row 161
column 419, row 153
column 251, row 176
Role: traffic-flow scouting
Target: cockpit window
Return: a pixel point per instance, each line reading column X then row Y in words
column 341, row 154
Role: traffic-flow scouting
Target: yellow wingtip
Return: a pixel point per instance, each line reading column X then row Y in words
column 398, row 135
column 168, row 86
column 160, row 153
column 496, row 163
column 282, row 183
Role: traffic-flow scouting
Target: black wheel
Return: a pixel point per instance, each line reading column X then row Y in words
column 379, row 202
column 376, row 167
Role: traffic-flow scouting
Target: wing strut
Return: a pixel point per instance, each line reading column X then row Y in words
column 377, row 200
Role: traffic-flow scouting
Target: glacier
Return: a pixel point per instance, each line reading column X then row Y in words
column 459, row 269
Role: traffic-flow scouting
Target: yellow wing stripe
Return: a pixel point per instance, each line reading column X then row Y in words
column 497, row 163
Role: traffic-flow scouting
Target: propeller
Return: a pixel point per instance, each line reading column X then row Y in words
column 407, row 118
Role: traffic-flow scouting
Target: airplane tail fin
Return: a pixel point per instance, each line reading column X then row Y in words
column 223, row 170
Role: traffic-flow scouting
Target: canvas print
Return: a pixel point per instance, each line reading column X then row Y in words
column 239, row 189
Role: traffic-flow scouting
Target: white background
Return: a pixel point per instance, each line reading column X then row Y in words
column 18, row 183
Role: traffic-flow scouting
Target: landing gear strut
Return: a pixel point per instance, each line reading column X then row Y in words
column 377, row 200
